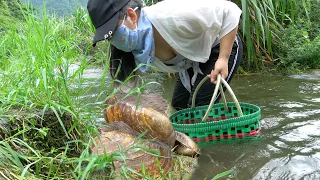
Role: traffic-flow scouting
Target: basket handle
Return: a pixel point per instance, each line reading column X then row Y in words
column 215, row 92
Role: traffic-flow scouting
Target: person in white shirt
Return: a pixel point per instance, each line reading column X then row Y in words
column 193, row 38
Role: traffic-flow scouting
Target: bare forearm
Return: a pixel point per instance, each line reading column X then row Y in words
column 221, row 65
column 226, row 43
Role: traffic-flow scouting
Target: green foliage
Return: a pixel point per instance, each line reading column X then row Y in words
column 35, row 60
column 304, row 57
column 223, row 174
column 260, row 28
column 274, row 30
column 10, row 14
column 300, row 42
column 14, row 8
column 59, row 7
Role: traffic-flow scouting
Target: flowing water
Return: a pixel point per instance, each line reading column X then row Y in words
column 290, row 146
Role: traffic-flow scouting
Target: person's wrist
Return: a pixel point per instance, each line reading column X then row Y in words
column 223, row 58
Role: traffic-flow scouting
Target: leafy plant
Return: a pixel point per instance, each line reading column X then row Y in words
column 300, row 41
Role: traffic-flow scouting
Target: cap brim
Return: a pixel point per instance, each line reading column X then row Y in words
column 105, row 29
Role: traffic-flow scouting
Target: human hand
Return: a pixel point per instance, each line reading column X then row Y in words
column 220, row 67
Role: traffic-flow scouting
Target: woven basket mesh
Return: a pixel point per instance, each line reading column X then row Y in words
column 221, row 125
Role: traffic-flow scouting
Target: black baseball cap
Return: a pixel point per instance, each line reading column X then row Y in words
column 104, row 15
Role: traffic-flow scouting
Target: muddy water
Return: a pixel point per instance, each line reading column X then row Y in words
column 290, row 147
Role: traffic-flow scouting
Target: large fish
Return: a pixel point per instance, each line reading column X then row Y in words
column 118, row 136
column 142, row 118
column 149, row 115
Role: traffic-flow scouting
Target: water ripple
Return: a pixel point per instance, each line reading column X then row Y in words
column 292, row 104
column 303, row 133
column 306, row 76
column 295, row 167
column 309, row 87
column 270, row 122
column 294, row 115
column 315, row 100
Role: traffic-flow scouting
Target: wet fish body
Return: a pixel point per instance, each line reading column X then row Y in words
column 150, row 115
column 141, row 118
column 118, row 136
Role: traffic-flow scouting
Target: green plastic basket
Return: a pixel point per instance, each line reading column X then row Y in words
column 218, row 123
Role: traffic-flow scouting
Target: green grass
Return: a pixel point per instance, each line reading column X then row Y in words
column 48, row 128
column 35, row 79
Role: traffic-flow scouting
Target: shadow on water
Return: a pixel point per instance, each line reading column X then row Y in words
column 290, row 147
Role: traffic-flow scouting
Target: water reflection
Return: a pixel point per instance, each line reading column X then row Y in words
column 315, row 100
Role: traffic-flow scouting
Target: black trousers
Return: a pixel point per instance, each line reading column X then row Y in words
column 182, row 97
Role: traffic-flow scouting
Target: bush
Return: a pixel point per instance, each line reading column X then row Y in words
column 300, row 42
column 303, row 56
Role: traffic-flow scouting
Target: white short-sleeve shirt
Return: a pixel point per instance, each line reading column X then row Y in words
column 192, row 27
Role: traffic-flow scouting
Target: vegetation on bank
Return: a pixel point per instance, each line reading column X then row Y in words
column 47, row 128
column 59, row 7
column 300, row 42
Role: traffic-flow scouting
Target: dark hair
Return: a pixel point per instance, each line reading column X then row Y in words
column 121, row 64
column 124, row 61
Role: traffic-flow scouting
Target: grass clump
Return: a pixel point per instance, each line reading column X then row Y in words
column 46, row 128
